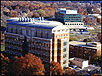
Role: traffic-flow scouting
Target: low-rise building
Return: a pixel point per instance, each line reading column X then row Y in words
column 84, row 50
column 81, row 63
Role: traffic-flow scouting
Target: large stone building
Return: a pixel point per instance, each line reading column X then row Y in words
column 48, row 40
column 84, row 50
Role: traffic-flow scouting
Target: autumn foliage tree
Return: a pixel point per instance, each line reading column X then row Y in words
column 54, row 69
column 4, row 64
column 28, row 65
column 98, row 20
column 68, row 71
column 87, row 20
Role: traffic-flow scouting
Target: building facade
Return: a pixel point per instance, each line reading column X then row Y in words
column 84, row 50
column 68, row 15
column 48, row 40
column 79, row 62
column 71, row 19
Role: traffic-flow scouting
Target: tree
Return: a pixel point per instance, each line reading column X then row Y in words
column 98, row 20
column 68, row 71
column 54, row 69
column 87, row 20
column 96, row 58
column 88, row 40
column 36, row 15
column 4, row 64
column 41, row 12
column 80, row 10
column 28, row 65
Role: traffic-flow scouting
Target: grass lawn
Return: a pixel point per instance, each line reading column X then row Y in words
column 2, row 47
column 95, row 32
column 77, row 37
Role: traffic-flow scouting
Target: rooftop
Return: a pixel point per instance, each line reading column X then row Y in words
column 78, row 59
column 65, row 11
column 34, row 22
column 94, row 45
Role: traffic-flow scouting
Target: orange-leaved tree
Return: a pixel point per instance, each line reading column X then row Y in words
column 68, row 71
column 28, row 65
column 54, row 69
column 4, row 64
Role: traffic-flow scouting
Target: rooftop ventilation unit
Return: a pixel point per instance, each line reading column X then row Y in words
column 40, row 18
column 27, row 20
column 24, row 19
column 19, row 19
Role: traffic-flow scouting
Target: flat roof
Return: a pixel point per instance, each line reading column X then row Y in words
column 36, row 23
column 78, row 59
column 83, row 44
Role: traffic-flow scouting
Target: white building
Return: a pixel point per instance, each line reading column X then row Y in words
column 79, row 62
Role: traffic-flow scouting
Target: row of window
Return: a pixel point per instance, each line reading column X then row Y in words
column 35, row 34
column 72, row 17
column 74, row 24
column 61, row 35
column 66, row 30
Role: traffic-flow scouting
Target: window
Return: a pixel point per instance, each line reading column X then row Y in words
column 58, row 30
column 54, row 30
column 64, row 50
column 11, row 30
column 64, row 62
column 65, row 43
column 64, row 56
column 62, row 29
column 21, row 31
column 66, row 34
column 56, row 36
column 66, row 30
column 16, row 31
column 36, row 34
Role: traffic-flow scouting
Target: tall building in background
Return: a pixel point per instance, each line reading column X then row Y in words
column 48, row 40
column 68, row 15
column 72, row 19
